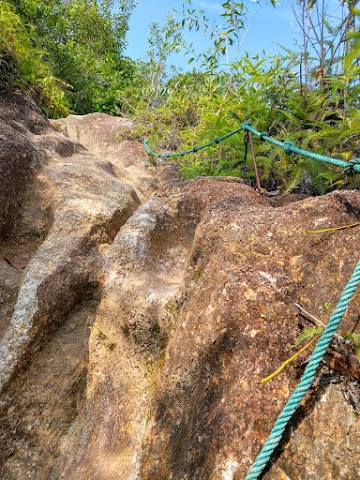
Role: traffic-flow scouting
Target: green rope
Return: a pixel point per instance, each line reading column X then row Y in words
column 349, row 167
column 307, row 378
column 352, row 166
column 191, row 150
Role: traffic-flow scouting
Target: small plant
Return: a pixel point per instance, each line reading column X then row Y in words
column 307, row 333
column 314, row 333
column 355, row 338
column 102, row 337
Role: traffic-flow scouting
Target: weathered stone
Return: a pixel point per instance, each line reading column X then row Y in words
column 102, row 136
column 20, row 112
column 324, row 440
column 199, row 315
column 19, row 158
column 189, row 293
column 85, row 204
column 209, row 415
column 10, row 279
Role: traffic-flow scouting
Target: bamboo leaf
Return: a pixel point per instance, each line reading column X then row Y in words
column 307, row 333
column 333, row 229
column 289, row 360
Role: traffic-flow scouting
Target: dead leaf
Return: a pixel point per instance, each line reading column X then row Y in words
column 20, row 263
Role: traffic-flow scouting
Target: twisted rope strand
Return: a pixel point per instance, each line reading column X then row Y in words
column 352, row 166
column 306, row 381
column 191, row 150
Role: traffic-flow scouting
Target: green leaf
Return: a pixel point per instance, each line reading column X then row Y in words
column 307, row 333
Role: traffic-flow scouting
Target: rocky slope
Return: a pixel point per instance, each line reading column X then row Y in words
column 139, row 313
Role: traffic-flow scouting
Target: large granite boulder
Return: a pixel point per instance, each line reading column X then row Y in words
column 141, row 312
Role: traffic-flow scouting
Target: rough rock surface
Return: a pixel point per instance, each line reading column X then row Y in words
column 139, row 314
column 19, row 156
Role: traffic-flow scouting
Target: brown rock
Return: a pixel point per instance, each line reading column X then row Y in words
column 236, row 325
column 325, row 443
column 189, row 294
column 19, row 158
column 199, row 297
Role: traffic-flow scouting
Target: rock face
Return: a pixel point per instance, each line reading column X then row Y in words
column 19, row 156
column 141, row 312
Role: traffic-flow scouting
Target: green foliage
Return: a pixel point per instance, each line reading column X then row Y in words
column 324, row 120
column 307, row 333
column 316, row 111
column 23, row 65
column 354, row 50
column 69, row 52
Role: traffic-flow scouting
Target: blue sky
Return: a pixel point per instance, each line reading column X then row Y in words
column 269, row 27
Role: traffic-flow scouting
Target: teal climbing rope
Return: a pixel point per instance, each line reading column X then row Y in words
column 289, row 147
column 190, row 150
column 352, row 166
column 307, row 378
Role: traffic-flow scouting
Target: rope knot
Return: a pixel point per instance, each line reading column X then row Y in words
column 217, row 139
column 350, row 167
column 195, row 149
column 264, row 134
column 287, row 147
column 182, row 154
